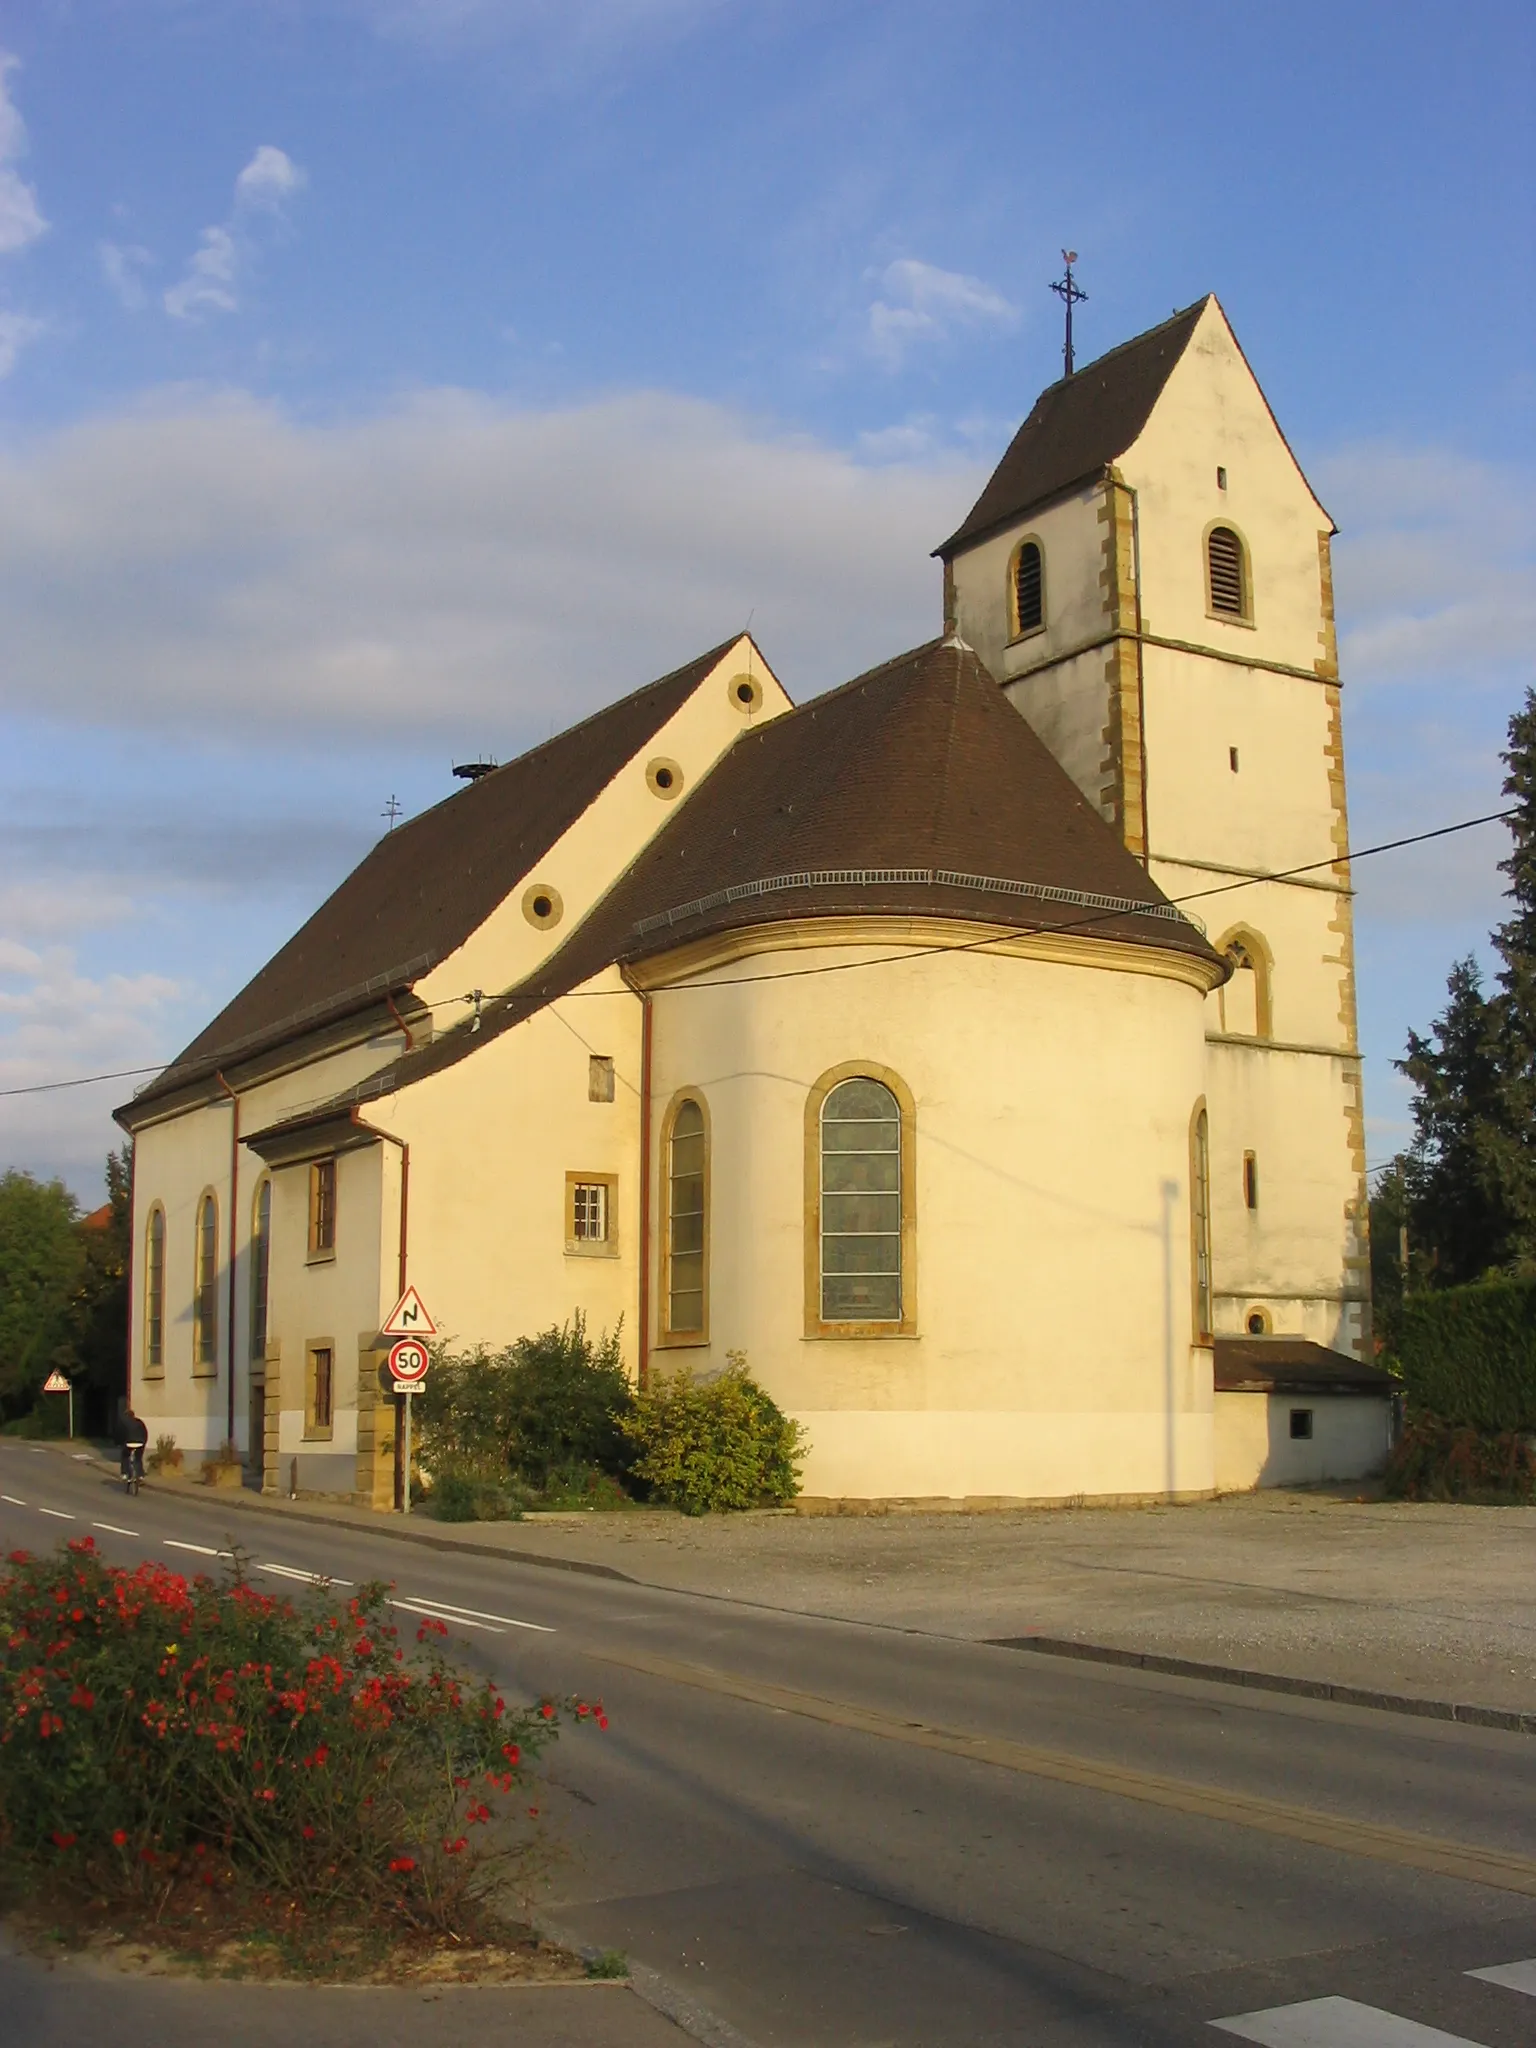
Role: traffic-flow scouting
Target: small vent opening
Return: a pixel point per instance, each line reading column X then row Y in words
column 1029, row 588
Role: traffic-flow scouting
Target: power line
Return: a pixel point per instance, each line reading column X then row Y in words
column 908, row 953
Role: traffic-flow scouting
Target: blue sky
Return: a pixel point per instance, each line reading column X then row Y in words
column 390, row 379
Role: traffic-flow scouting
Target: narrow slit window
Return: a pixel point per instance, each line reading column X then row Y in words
column 1228, row 571
column 322, row 1208
column 322, row 1387
column 205, row 1295
column 1200, row 1221
column 687, row 1159
column 861, row 1204
column 154, row 1291
column 1028, row 588
column 261, row 1267
column 1250, row 1181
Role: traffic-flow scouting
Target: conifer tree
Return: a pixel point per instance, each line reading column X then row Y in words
column 1454, row 1204
column 1512, row 1142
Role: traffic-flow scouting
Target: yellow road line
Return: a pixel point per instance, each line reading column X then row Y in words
column 1501, row 1869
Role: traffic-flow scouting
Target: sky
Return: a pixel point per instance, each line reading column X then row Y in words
column 389, row 381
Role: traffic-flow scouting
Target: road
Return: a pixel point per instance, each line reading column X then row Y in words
column 828, row 1833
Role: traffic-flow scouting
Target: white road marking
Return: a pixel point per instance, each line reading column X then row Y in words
column 288, row 1571
column 11, row 1499
column 1513, row 1976
column 432, row 1614
column 1336, row 2023
column 81, row 1457
column 479, row 1614
column 113, row 1530
column 202, row 1549
column 58, row 1514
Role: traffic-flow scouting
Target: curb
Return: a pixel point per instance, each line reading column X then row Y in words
column 1272, row 1681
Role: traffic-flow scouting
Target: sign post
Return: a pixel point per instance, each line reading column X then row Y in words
column 57, row 1384
column 409, row 1325
column 408, row 1362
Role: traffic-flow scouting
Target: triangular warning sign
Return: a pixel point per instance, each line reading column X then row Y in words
column 409, row 1318
column 55, row 1384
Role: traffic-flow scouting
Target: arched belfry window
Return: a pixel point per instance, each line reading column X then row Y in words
column 205, row 1288
column 1028, row 587
column 685, row 1240
column 1200, row 1221
column 1227, row 570
column 154, row 1291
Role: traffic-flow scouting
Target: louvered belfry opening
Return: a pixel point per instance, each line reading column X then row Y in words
column 1226, row 560
column 1029, row 588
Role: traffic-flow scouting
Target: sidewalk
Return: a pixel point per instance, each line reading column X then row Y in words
column 1433, row 1601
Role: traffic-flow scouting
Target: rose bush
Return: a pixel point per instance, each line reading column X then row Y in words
column 156, row 1729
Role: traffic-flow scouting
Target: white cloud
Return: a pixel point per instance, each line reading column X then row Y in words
column 451, row 566
column 17, row 330
column 270, row 178
column 123, row 265
column 920, row 304
column 21, row 220
column 224, row 251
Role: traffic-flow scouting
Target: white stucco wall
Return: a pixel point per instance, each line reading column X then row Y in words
column 1254, row 1445
column 1052, row 1354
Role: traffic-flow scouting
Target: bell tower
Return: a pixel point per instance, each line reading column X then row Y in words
column 1147, row 575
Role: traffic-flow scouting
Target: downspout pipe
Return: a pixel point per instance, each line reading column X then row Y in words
column 643, row 998
column 234, row 1210
column 389, row 1138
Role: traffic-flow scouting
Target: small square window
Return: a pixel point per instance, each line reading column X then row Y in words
column 591, row 1215
column 600, row 1078
column 1301, row 1423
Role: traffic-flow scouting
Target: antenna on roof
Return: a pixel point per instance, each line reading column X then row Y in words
column 392, row 810
column 471, row 771
column 1068, row 289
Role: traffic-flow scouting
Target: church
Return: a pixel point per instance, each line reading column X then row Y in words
column 972, row 1047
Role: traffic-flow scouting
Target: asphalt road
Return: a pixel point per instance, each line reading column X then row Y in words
column 822, row 1832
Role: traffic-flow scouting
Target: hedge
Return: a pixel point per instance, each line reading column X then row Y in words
column 1468, row 1354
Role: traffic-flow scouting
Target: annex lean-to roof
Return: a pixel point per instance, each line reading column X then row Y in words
column 1079, row 424
column 432, row 881
column 916, row 789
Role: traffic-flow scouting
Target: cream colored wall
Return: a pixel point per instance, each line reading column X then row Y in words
column 1076, row 609
column 1254, row 1446
column 584, row 862
column 174, row 1161
column 1068, row 706
column 1053, row 1351
column 492, row 1140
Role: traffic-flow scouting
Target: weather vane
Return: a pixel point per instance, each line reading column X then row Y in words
column 1068, row 289
column 392, row 810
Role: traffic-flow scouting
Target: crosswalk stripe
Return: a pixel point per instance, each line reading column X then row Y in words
column 1336, row 2023
column 1513, row 1976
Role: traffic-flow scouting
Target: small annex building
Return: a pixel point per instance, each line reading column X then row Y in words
column 971, row 1047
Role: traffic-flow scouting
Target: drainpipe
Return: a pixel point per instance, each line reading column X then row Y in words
column 644, row 1001
column 234, row 1200
column 405, row 1212
column 1141, row 679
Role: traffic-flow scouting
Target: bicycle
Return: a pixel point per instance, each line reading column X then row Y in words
column 132, row 1467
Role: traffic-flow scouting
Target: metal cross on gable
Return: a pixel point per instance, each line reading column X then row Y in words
column 1071, row 292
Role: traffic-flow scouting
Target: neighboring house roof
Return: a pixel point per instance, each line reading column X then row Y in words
column 99, row 1219
column 1078, row 425
column 1294, row 1365
column 916, row 789
column 435, row 879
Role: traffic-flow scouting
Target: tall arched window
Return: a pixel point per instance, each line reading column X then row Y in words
column 861, row 1204
column 685, row 1296
column 261, row 1266
column 154, row 1291
column 1227, row 569
column 1244, row 998
column 205, row 1287
column 1028, row 587
column 1200, row 1221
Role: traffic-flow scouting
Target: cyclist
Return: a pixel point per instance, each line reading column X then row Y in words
column 135, row 1437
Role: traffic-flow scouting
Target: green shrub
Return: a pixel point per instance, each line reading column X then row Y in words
column 1435, row 1460
column 462, row 1496
column 545, row 1405
column 1468, row 1354
column 715, row 1444
column 156, row 1731
column 48, row 1419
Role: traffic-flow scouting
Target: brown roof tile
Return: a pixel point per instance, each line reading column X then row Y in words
column 1294, row 1365
column 1078, row 425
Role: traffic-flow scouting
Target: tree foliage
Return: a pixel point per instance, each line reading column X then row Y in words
column 64, row 1291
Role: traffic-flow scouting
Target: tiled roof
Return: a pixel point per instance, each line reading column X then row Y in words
column 435, row 879
column 919, row 768
column 1294, row 1365
column 1078, row 425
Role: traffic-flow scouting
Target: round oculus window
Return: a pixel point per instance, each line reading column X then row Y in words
column 542, row 905
column 664, row 778
column 745, row 692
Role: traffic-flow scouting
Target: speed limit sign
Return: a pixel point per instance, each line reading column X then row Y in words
column 408, row 1362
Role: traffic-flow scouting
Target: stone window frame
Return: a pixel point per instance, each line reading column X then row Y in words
column 205, row 1289
column 322, row 1215
column 816, row 1326
column 668, row 1339
column 154, row 1291
column 315, row 1430
column 1016, row 631
column 261, row 1270
column 1262, row 961
column 583, row 1247
column 1245, row 617
column 1202, row 1291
